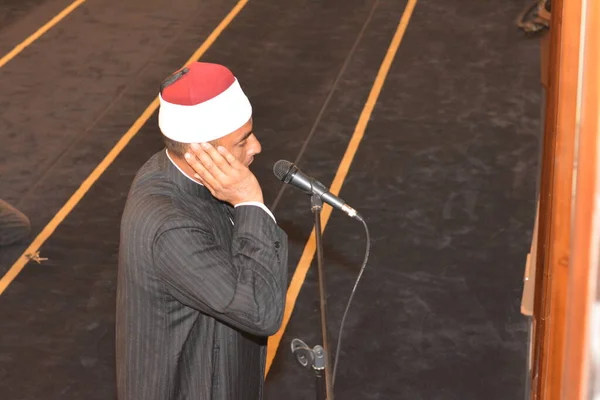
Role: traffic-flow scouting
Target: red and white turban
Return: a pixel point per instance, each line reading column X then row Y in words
column 202, row 102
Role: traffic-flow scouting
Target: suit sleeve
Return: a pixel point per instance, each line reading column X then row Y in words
column 244, row 285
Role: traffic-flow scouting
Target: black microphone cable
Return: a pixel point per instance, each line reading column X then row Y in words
column 362, row 269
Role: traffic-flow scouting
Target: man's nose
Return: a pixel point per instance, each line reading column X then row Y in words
column 255, row 147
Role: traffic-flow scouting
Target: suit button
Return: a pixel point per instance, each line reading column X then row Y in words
column 276, row 245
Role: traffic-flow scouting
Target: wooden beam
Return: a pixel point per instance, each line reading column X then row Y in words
column 583, row 274
column 552, row 261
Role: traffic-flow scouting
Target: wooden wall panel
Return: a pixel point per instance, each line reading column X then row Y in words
column 552, row 258
column 586, row 219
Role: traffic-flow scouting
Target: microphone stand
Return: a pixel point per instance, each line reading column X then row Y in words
column 319, row 357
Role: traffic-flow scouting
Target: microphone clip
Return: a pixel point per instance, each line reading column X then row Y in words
column 316, row 202
column 318, row 191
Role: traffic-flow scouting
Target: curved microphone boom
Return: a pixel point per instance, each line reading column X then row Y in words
column 289, row 173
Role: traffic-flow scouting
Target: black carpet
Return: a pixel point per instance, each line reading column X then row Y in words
column 445, row 178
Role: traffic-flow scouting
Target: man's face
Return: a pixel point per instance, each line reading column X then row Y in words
column 242, row 144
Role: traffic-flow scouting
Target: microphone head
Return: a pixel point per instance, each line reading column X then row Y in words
column 282, row 169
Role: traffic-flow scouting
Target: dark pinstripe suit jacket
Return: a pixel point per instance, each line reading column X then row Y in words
column 197, row 295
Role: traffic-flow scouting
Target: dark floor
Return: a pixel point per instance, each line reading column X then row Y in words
column 445, row 177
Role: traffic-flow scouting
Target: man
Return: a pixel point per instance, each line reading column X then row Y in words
column 202, row 263
column 14, row 225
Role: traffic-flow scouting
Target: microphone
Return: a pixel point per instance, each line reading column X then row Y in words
column 289, row 173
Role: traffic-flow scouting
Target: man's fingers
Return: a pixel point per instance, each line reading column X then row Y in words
column 228, row 156
column 201, row 156
column 203, row 173
column 218, row 160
